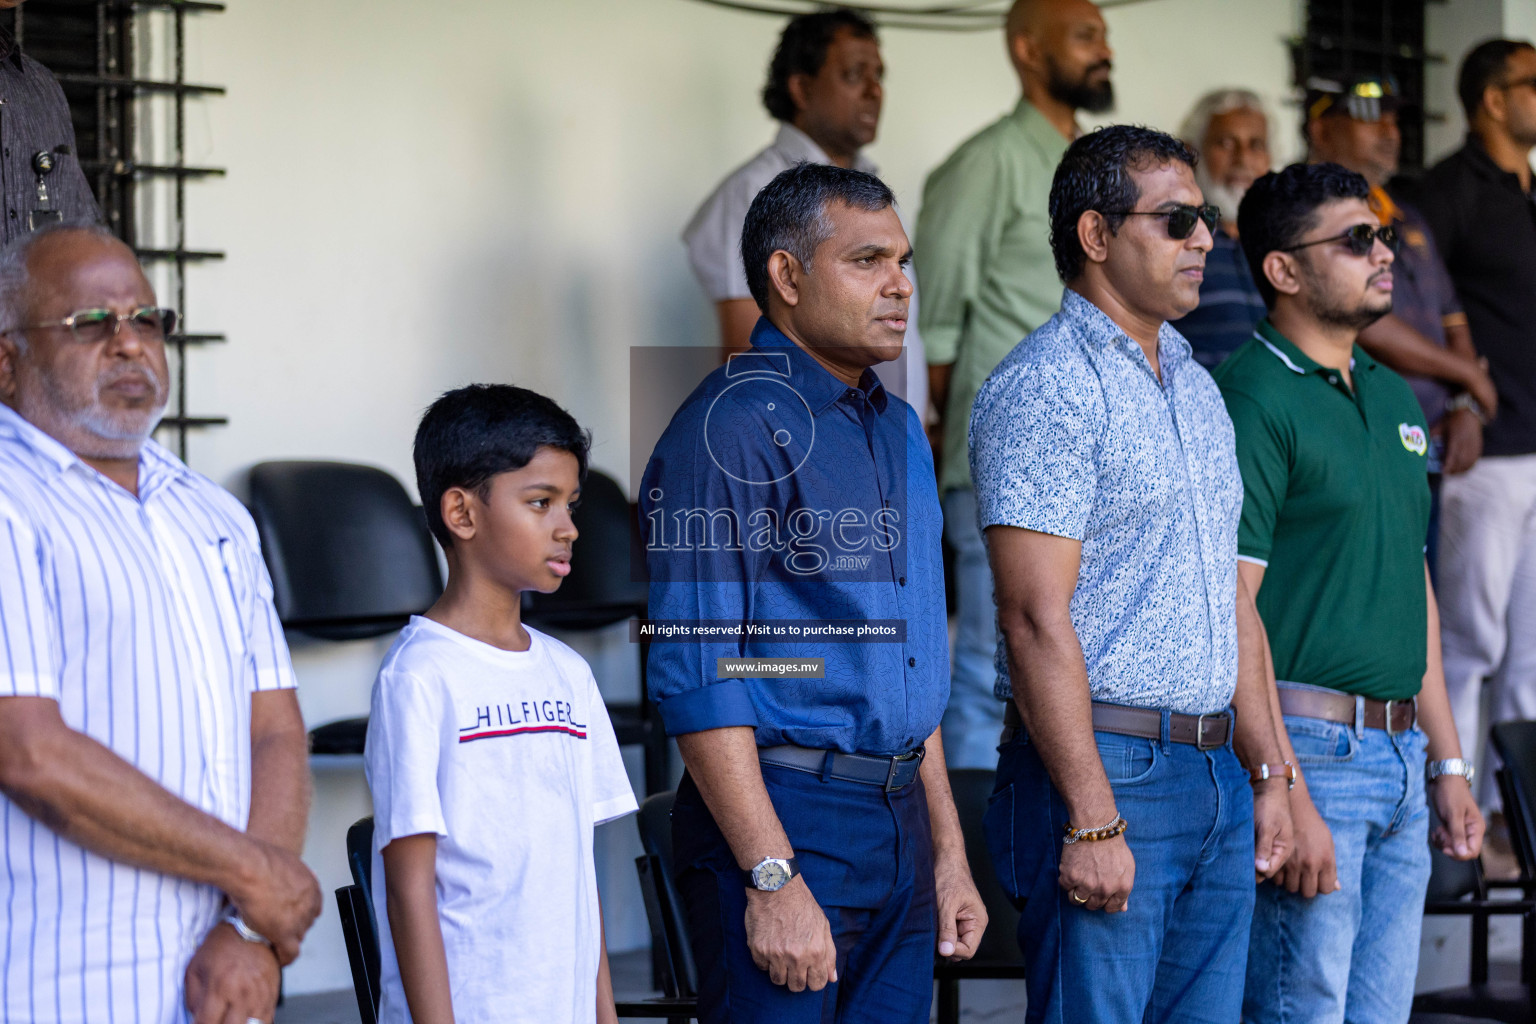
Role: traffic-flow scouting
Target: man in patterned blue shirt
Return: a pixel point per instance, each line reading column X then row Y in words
column 1109, row 493
column 817, row 847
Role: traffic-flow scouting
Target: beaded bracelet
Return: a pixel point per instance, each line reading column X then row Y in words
column 1094, row 835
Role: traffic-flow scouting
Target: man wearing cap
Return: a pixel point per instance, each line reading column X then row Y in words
column 1353, row 123
column 1333, row 448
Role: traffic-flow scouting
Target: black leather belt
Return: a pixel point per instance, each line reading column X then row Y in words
column 1201, row 731
column 889, row 773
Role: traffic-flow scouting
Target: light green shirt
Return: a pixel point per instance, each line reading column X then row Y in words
column 984, row 260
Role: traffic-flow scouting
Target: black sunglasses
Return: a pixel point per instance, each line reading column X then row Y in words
column 1182, row 218
column 1359, row 238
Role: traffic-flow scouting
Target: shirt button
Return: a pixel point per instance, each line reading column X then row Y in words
column 901, row 580
column 912, row 663
column 1332, row 379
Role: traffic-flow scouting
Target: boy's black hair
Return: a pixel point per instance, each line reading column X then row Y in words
column 1095, row 174
column 790, row 213
column 1281, row 206
column 472, row 433
column 803, row 51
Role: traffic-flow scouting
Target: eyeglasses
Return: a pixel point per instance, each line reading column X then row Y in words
column 1182, row 218
column 94, row 326
column 1359, row 238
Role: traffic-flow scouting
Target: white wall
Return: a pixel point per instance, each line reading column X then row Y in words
column 425, row 195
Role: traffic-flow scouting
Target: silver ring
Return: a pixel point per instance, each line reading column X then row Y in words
column 254, row 1020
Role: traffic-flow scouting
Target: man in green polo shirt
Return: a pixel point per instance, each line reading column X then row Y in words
column 1332, row 449
column 984, row 263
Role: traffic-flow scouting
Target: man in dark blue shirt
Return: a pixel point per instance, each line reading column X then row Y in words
column 800, row 654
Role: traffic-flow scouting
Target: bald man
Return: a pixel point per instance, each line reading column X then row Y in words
column 984, row 263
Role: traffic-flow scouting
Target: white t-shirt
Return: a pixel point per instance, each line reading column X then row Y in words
column 509, row 758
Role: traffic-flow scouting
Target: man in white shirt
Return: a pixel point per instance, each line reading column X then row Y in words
column 824, row 90
column 154, row 785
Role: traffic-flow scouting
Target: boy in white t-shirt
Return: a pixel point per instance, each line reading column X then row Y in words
column 490, row 754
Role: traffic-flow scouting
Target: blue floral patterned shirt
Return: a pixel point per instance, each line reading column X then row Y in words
column 1074, row 435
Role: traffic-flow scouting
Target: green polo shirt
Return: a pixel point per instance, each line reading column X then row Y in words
column 983, row 259
column 1336, row 505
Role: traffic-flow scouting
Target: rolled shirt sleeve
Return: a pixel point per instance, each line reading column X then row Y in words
column 956, row 232
column 693, row 583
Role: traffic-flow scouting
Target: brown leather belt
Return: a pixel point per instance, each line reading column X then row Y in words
column 1202, row 731
column 1333, row 706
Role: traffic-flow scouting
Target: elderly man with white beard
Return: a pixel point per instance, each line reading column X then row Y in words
column 154, row 785
column 1229, row 131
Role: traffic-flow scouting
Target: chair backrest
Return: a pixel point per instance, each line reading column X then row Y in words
column 360, row 860
column 999, row 943
column 350, row 555
column 606, row 583
column 1515, row 743
column 671, row 932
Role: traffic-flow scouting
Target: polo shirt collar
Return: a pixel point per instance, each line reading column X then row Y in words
column 798, row 147
column 809, row 379
column 157, row 466
column 1035, row 125
column 1297, row 361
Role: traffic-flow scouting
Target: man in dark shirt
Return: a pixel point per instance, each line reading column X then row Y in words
column 817, row 847
column 1479, row 205
column 40, row 177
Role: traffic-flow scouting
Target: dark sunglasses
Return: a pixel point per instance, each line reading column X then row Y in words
column 1181, row 218
column 1359, row 238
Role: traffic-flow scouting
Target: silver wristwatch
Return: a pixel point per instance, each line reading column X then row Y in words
column 1450, row 766
column 771, row 874
column 234, row 920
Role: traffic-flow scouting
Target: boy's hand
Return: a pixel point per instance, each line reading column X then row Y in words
column 231, row 979
column 789, row 937
column 282, row 902
column 1310, row 870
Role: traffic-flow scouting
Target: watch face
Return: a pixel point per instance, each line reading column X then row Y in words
column 770, row 876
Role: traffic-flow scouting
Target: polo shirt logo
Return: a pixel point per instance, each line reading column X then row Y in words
column 1413, row 438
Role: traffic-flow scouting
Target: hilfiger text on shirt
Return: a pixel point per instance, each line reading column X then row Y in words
column 522, row 718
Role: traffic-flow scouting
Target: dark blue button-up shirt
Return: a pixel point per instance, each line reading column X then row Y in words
column 779, row 494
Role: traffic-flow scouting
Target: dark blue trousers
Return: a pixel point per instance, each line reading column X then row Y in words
column 866, row 855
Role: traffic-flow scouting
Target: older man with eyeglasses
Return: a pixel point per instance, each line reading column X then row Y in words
column 153, row 768
column 1334, row 450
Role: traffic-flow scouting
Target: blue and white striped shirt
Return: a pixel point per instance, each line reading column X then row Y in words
column 150, row 621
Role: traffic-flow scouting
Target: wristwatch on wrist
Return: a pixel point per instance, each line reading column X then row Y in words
column 1450, row 766
column 234, row 920
column 771, row 874
column 1467, row 402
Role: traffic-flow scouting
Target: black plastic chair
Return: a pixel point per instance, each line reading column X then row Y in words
column 350, row 557
column 998, row 956
column 360, row 930
column 603, row 589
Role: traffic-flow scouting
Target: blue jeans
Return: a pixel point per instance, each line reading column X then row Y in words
column 974, row 715
column 1353, row 954
column 1178, row 951
column 866, row 855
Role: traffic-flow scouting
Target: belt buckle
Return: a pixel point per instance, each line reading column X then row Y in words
column 896, row 762
column 1200, row 743
column 1392, row 706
